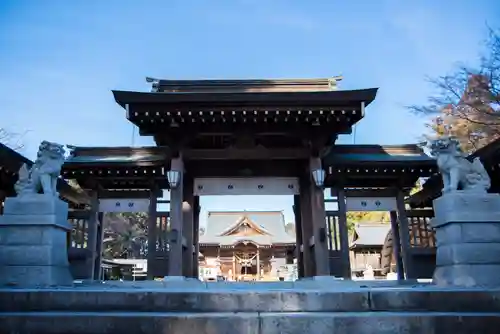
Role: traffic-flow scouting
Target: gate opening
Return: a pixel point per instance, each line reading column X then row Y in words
column 124, row 238
column 247, row 229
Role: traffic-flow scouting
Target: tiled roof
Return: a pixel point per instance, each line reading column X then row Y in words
column 117, row 155
column 370, row 234
column 377, row 154
column 272, row 223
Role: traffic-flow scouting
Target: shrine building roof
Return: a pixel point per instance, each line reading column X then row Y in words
column 263, row 228
column 369, row 234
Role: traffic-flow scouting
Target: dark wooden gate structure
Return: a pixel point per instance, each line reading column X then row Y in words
column 338, row 256
column 249, row 128
column 422, row 243
column 419, row 243
column 158, row 265
column 81, row 250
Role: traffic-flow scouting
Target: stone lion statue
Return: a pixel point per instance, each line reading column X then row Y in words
column 458, row 173
column 43, row 175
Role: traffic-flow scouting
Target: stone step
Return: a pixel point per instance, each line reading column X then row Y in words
column 248, row 323
column 193, row 307
column 404, row 299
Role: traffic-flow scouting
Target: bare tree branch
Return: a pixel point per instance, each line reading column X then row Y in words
column 467, row 100
column 12, row 139
column 472, row 93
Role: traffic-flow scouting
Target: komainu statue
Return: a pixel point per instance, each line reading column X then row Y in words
column 458, row 173
column 43, row 175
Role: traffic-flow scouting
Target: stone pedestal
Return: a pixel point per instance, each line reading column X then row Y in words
column 468, row 239
column 33, row 237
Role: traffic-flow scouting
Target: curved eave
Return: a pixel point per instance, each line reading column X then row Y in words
column 73, row 165
column 117, row 157
column 71, row 194
column 337, row 97
column 395, row 161
column 11, row 161
column 233, row 245
column 376, row 165
column 344, row 155
column 117, row 150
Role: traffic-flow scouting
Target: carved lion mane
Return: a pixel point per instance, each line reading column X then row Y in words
column 50, row 158
column 456, row 170
column 43, row 175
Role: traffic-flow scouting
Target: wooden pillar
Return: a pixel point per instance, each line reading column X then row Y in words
column 175, row 265
column 404, row 235
column 92, row 235
column 318, row 221
column 152, row 232
column 100, row 238
column 258, row 262
column 343, row 232
column 306, row 225
column 196, row 235
column 3, row 195
column 298, row 233
column 234, row 266
column 396, row 245
column 188, row 228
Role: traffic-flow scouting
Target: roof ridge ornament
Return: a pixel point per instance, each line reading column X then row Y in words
column 155, row 84
column 333, row 82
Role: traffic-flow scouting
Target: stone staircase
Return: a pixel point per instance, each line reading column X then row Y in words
column 248, row 308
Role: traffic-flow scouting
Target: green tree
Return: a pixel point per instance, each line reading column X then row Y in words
column 125, row 235
column 355, row 217
column 418, row 186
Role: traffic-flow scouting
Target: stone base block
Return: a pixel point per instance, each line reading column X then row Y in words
column 33, row 255
column 15, row 235
column 468, row 232
column 468, row 254
column 468, row 239
column 459, row 206
column 33, row 242
column 35, row 276
column 468, row 275
column 37, row 204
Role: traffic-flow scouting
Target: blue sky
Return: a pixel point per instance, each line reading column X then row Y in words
column 60, row 59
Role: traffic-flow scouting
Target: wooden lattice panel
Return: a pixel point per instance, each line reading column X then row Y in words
column 422, row 235
column 333, row 233
column 162, row 229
